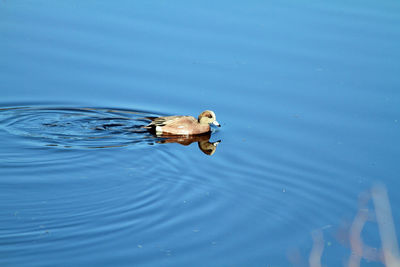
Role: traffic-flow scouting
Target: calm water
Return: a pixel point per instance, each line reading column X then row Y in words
column 308, row 96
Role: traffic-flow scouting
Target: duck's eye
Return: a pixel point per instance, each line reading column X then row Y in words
column 208, row 115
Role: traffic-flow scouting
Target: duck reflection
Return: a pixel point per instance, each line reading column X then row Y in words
column 203, row 141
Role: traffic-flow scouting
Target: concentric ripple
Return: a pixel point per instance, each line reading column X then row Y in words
column 77, row 127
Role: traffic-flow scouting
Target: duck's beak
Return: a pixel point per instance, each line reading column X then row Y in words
column 216, row 123
column 216, row 143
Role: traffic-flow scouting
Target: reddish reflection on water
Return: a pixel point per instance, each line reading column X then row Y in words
column 351, row 234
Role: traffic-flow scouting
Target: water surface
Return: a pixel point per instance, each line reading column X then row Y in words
column 307, row 95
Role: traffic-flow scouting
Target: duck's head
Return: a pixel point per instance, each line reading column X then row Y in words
column 208, row 117
column 207, row 147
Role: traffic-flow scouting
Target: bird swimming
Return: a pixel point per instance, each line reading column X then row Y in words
column 183, row 125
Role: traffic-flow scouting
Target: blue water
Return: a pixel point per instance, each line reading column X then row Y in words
column 308, row 96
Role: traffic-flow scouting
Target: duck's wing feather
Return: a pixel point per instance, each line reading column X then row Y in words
column 164, row 121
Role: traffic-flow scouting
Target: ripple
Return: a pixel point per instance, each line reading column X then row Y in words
column 66, row 127
column 44, row 142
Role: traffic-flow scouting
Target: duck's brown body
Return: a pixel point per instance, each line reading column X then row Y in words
column 183, row 125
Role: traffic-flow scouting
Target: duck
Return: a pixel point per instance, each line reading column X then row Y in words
column 183, row 125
